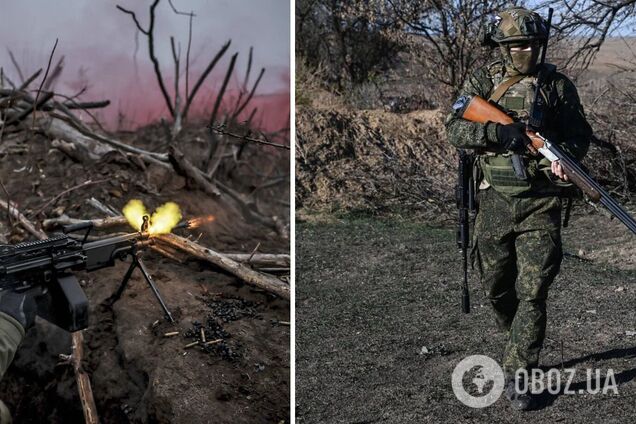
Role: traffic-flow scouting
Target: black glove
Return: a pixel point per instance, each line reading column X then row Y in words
column 513, row 137
column 20, row 305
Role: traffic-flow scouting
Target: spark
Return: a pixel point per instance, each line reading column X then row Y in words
column 198, row 221
column 162, row 221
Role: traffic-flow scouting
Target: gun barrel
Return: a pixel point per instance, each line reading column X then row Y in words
column 573, row 169
column 586, row 183
column 102, row 253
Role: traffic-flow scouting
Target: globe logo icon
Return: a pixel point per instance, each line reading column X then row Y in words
column 487, row 377
column 480, row 380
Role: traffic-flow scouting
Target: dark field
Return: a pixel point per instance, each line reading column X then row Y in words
column 372, row 294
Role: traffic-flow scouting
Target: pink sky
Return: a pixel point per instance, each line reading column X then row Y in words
column 98, row 43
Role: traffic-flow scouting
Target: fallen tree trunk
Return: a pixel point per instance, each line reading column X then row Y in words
column 245, row 273
column 184, row 168
column 260, row 259
column 95, row 146
column 55, row 128
column 52, row 223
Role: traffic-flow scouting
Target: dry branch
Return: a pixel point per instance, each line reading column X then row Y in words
column 46, row 74
column 219, row 97
column 260, row 259
column 105, row 209
column 83, row 381
column 149, row 33
column 52, row 223
column 28, row 225
column 248, row 137
column 29, row 80
column 56, row 198
column 203, row 76
column 16, row 65
column 250, row 276
column 22, row 114
column 184, row 168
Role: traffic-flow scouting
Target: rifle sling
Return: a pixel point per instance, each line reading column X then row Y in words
column 504, row 86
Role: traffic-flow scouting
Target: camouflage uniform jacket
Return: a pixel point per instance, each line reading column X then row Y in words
column 564, row 119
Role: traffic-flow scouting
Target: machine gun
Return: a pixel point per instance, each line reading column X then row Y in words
column 465, row 197
column 48, row 265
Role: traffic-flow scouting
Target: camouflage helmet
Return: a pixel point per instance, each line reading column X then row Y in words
column 519, row 25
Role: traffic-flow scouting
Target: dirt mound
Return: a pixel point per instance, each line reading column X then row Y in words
column 373, row 160
column 382, row 162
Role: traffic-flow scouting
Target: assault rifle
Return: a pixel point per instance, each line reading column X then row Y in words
column 465, row 197
column 476, row 109
column 48, row 266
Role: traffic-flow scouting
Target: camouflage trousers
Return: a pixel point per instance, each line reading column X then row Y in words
column 517, row 249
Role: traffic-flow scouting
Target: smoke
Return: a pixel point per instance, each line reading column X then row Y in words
column 105, row 54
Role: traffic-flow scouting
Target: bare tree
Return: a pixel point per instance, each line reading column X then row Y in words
column 179, row 105
column 350, row 40
column 444, row 35
column 582, row 26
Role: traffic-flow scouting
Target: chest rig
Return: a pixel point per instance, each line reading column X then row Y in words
column 515, row 95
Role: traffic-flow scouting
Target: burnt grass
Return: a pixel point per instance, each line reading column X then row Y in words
column 379, row 329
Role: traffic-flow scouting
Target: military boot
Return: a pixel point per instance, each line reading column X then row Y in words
column 521, row 401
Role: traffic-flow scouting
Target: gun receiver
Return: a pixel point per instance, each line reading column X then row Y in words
column 49, row 264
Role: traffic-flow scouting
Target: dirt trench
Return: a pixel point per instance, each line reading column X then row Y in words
column 138, row 375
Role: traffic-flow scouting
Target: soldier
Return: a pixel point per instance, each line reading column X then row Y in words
column 517, row 237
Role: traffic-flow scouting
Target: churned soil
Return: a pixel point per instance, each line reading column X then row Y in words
column 138, row 375
column 379, row 328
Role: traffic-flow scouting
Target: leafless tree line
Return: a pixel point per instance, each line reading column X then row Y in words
column 357, row 41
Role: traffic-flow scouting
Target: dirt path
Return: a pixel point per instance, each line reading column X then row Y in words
column 372, row 294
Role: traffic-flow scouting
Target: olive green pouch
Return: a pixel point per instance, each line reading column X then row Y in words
column 500, row 174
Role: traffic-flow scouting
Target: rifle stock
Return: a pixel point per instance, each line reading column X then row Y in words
column 482, row 111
